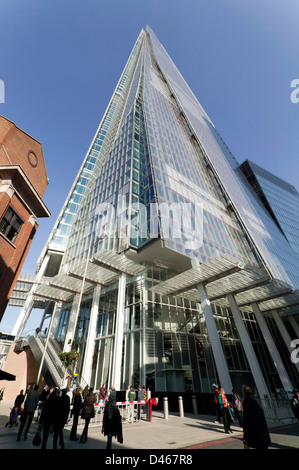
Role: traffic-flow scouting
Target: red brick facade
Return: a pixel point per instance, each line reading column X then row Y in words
column 23, row 180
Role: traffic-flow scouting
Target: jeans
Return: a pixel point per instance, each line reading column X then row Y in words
column 109, row 441
column 138, row 412
column 26, row 416
column 83, row 437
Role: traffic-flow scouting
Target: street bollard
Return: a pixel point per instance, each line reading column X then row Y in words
column 181, row 407
column 148, row 397
column 194, row 403
column 165, row 407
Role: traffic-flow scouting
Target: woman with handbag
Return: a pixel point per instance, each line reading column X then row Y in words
column 87, row 413
column 77, row 404
column 224, row 411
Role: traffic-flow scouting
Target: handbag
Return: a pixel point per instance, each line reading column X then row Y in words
column 37, row 438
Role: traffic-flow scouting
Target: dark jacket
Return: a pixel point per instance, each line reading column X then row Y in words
column 61, row 409
column 77, row 404
column 88, row 406
column 113, row 426
column 256, row 433
column 295, row 405
column 47, row 415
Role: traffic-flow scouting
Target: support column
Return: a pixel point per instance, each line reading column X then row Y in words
column 295, row 325
column 26, row 310
column 283, row 375
column 248, row 348
column 90, row 341
column 72, row 323
column 50, row 329
column 119, row 329
column 217, row 349
column 284, row 333
column 143, row 355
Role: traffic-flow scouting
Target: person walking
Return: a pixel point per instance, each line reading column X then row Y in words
column 61, row 413
column 77, row 404
column 28, row 412
column 1, row 394
column 102, row 396
column 112, row 426
column 20, row 399
column 87, row 413
column 255, row 430
column 144, row 407
column 85, row 392
column 295, row 403
column 139, row 398
column 131, row 397
column 42, row 400
column 217, row 405
column 224, row 411
column 237, row 406
column 47, row 417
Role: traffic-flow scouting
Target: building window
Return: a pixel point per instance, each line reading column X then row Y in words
column 10, row 225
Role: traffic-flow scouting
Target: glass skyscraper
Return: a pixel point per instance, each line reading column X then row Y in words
column 280, row 199
column 164, row 269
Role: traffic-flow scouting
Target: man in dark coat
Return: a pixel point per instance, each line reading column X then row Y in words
column 256, row 434
column 47, row 416
column 295, row 404
column 112, row 426
column 61, row 413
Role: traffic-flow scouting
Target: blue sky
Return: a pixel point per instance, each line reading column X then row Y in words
column 60, row 61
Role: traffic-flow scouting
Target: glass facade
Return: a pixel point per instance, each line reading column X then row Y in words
column 280, row 199
column 162, row 188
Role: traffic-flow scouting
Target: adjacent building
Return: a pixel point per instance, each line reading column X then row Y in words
column 23, row 180
column 164, row 268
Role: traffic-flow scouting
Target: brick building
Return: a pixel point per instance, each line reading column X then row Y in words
column 23, row 181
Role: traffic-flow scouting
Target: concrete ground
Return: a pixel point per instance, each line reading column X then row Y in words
column 187, row 433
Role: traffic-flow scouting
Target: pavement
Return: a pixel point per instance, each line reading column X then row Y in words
column 173, row 436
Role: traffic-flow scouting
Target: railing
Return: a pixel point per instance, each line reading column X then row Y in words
column 128, row 412
column 277, row 409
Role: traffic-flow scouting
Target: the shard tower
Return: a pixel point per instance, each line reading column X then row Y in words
column 164, row 269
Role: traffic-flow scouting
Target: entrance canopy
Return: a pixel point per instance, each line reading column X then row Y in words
column 104, row 268
column 226, row 275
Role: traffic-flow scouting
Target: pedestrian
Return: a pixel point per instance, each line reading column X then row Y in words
column 255, row 430
column 144, row 399
column 139, row 398
column 217, row 405
column 42, row 400
column 28, row 412
column 61, row 413
column 47, row 417
column 2, row 394
column 85, row 391
column 131, row 397
column 237, row 406
column 112, row 426
column 224, row 411
column 295, row 403
column 111, row 389
column 87, row 413
column 102, row 396
column 77, row 404
column 20, row 399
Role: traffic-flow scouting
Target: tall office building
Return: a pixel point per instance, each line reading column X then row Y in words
column 163, row 268
column 280, row 199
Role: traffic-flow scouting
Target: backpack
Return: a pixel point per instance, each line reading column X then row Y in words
column 238, row 405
